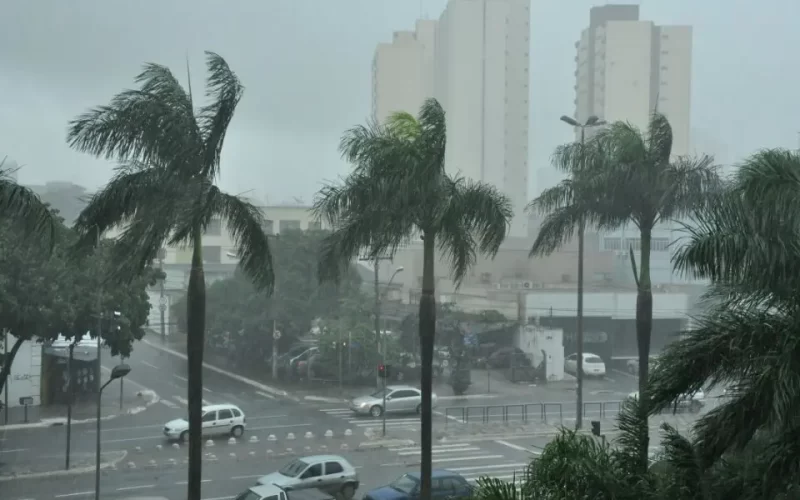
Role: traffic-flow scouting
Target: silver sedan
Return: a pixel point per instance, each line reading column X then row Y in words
column 399, row 399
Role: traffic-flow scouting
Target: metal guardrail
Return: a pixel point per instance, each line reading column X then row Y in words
column 524, row 412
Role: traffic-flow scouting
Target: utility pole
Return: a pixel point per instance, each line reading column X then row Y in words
column 377, row 313
column 162, row 302
column 592, row 121
column 70, row 399
column 275, row 336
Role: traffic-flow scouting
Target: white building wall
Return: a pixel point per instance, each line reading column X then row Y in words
column 675, row 83
column 617, row 305
column 26, row 373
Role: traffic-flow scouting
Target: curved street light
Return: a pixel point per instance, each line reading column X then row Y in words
column 118, row 371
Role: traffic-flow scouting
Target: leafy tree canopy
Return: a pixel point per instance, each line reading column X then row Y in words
column 241, row 319
column 44, row 294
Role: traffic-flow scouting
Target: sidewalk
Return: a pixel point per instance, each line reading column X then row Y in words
column 132, row 399
column 26, row 467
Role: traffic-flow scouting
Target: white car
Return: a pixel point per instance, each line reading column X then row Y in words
column 693, row 403
column 593, row 365
column 224, row 419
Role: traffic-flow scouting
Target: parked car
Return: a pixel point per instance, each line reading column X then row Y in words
column 506, row 357
column 692, row 402
column 632, row 365
column 592, row 365
column 273, row 492
column 399, row 399
column 330, row 473
column 444, row 484
column 223, row 419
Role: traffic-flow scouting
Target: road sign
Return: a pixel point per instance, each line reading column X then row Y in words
column 276, row 335
column 25, row 401
column 162, row 307
column 163, row 300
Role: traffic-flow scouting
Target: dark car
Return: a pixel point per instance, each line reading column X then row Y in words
column 445, row 484
column 507, row 357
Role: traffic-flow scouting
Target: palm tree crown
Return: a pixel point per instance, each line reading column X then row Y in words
column 23, row 208
column 398, row 189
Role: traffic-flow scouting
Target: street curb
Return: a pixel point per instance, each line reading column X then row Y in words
column 58, row 421
column 71, row 472
column 385, row 443
column 468, row 396
column 245, row 380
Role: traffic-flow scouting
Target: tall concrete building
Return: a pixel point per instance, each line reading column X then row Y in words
column 627, row 67
column 475, row 60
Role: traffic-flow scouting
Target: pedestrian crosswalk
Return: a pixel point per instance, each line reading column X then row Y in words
column 181, row 402
column 469, row 460
column 393, row 422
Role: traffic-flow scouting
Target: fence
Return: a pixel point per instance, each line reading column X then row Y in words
column 526, row 412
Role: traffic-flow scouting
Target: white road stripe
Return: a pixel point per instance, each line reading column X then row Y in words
column 388, row 424
column 480, row 467
column 78, row 494
column 435, row 447
column 248, row 477
column 168, row 403
column 202, row 481
column 456, row 450
column 14, row 451
column 179, row 377
column 264, row 394
column 182, row 400
column 206, row 389
column 139, row 487
column 459, row 459
column 512, row 445
column 380, row 422
column 149, row 364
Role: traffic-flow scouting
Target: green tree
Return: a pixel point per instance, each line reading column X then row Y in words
column 165, row 193
column 624, row 176
column 44, row 294
column 399, row 189
column 747, row 242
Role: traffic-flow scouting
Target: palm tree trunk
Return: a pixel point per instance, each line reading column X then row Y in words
column 427, row 331
column 195, row 341
column 9, row 358
column 644, row 327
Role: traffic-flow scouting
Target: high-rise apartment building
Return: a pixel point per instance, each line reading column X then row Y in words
column 626, row 68
column 475, row 61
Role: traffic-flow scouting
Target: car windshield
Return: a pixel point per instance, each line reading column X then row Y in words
column 293, row 469
column 593, row 359
column 379, row 394
column 248, row 495
column 404, row 484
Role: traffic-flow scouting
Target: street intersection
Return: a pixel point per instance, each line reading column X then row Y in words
column 139, row 461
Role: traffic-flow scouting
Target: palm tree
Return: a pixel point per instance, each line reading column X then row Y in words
column 165, row 193
column 22, row 207
column 748, row 244
column 398, row 189
column 625, row 176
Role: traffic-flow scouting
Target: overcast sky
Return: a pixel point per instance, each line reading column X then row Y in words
column 306, row 65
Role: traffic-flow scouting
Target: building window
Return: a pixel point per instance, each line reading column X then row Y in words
column 214, row 227
column 269, row 227
column 212, row 254
column 314, row 225
column 612, row 244
column 287, row 225
column 659, row 244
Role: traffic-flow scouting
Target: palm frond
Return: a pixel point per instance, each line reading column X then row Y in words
column 558, row 228
column 151, row 124
column 689, row 185
column 484, row 212
column 225, row 91
column 23, row 208
column 659, row 139
column 633, row 439
column 774, row 175
column 245, row 223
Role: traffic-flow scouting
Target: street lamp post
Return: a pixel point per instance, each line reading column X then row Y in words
column 592, row 121
column 383, row 353
column 162, row 303
column 118, row 371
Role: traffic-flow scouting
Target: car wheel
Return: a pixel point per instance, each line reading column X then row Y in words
column 184, row 436
column 237, row 431
column 376, row 411
column 348, row 491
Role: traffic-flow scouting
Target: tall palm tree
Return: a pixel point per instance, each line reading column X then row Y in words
column 165, row 193
column 748, row 243
column 625, row 176
column 398, row 189
column 22, row 207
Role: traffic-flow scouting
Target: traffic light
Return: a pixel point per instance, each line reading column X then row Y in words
column 596, row 427
column 382, row 371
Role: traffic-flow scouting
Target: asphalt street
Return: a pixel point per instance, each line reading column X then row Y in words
column 225, row 475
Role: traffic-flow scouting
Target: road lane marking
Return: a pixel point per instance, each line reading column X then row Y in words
column 459, row 459
column 270, row 396
column 277, row 427
column 206, row 389
column 124, row 440
column 14, row 451
column 202, row 481
column 438, row 447
column 182, row 400
column 248, row 477
column 139, row 487
column 169, row 403
column 184, row 379
column 151, row 365
column 78, row 494
column 512, row 445
column 452, row 450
